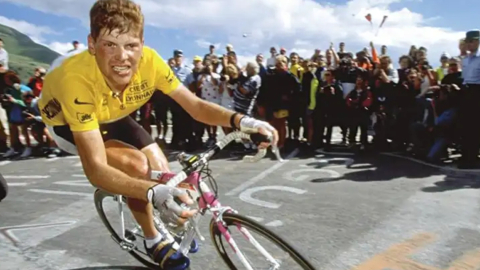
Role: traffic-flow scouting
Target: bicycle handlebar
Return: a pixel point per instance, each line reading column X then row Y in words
column 195, row 161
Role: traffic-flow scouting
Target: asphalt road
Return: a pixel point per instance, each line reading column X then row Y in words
column 379, row 213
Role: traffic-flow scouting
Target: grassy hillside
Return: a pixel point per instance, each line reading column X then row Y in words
column 24, row 53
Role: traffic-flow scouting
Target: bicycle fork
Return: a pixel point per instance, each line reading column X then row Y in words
column 223, row 229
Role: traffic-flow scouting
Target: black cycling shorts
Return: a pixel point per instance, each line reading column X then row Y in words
column 125, row 130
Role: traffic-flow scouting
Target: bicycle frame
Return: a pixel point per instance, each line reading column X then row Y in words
column 207, row 202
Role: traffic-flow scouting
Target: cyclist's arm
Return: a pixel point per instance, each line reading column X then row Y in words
column 91, row 149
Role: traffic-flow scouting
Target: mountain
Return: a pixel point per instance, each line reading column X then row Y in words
column 24, row 54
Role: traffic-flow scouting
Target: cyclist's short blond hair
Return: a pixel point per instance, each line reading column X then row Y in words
column 110, row 15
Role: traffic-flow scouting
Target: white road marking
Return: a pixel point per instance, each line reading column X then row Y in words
column 58, row 192
column 5, row 162
column 17, row 184
column 246, row 195
column 71, row 157
column 8, row 230
column 26, row 176
column 78, row 183
column 79, row 175
column 291, row 175
column 52, row 159
column 78, row 164
column 275, row 223
column 257, row 219
column 262, row 175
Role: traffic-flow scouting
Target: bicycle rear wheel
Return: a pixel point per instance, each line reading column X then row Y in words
column 233, row 221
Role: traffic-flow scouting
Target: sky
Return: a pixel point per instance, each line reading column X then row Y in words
column 253, row 26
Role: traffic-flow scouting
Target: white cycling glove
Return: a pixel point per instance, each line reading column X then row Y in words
column 252, row 125
column 162, row 197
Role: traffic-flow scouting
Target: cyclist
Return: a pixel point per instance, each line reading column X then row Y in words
column 86, row 102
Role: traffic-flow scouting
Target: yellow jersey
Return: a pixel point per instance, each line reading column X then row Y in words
column 75, row 92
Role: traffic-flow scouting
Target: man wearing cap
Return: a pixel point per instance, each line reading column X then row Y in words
column 179, row 115
column 470, row 99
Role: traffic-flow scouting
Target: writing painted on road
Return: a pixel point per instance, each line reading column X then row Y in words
column 246, row 195
column 398, row 257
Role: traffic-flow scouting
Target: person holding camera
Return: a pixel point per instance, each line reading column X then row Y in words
column 228, row 85
column 33, row 120
column 208, row 83
column 13, row 98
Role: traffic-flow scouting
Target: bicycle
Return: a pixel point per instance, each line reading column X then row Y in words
column 224, row 218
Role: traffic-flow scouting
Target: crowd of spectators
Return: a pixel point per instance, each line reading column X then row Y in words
column 411, row 109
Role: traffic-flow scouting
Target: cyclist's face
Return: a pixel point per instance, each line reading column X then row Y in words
column 117, row 56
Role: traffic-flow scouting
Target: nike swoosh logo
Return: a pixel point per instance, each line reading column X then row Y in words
column 82, row 103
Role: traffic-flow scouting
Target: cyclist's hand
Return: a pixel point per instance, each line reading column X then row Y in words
column 249, row 124
column 163, row 199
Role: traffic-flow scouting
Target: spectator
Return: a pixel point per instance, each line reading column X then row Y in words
column 211, row 53
column 469, row 102
column 259, row 60
column 194, row 129
column 179, row 115
column 227, row 88
column 36, row 82
column 16, row 120
column 273, row 57
column 75, row 45
column 443, row 69
column 208, row 83
column 342, row 53
column 359, row 102
column 3, row 57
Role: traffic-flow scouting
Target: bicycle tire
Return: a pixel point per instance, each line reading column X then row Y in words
column 99, row 196
column 3, row 188
column 230, row 218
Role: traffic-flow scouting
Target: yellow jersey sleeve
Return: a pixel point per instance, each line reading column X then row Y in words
column 78, row 103
column 165, row 80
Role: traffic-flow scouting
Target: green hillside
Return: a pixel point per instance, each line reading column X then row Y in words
column 24, row 53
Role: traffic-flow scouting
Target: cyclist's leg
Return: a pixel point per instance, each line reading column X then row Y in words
column 122, row 139
column 134, row 163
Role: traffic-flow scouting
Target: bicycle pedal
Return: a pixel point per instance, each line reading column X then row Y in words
column 130, row 235
column 124, row 245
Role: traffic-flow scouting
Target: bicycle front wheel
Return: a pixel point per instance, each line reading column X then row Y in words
column 265, row 249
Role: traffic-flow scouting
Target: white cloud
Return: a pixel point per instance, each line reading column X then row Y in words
column 35, row 32
column 202, row 43
column 302, row 25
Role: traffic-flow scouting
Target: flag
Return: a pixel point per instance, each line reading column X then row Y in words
column 383, row 21
column 369, row 17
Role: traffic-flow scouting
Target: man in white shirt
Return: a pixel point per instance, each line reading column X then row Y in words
column 3, row 56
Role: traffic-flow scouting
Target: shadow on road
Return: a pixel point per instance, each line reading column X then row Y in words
column 450, row 184
column 368, row 168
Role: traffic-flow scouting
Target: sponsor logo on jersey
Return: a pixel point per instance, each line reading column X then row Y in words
column 84, row 117
column 139, row 92
column 52, row 108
